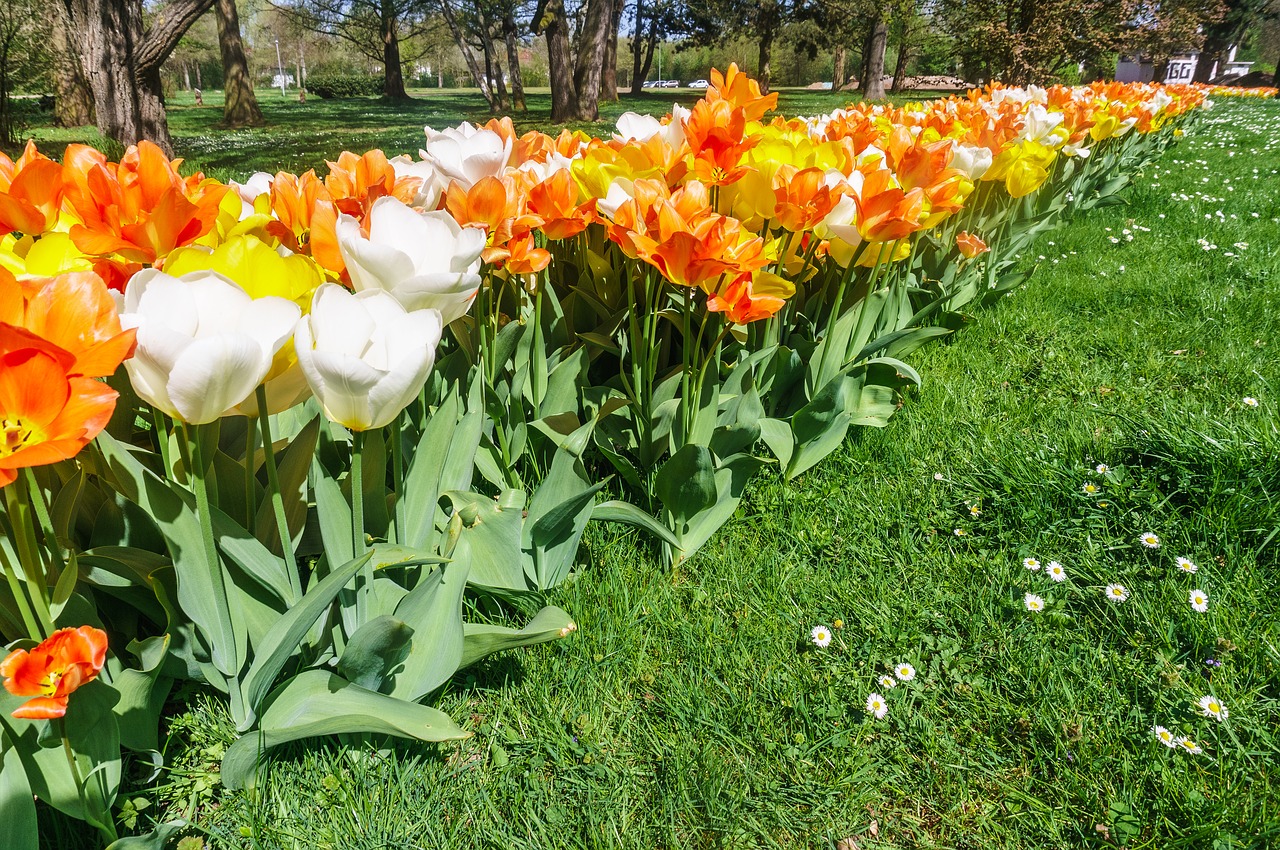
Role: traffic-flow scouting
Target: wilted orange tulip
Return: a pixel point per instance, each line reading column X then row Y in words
column 970, row 246
column 47, row 414
column 52, row 671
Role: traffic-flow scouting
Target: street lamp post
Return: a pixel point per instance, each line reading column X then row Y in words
column 280, row 69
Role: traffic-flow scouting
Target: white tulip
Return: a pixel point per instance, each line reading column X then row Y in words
column 467, row 153
column 1038, row 122
column 259, row 184
column 428, row 195
column 364, row 355
column 204, row 345
column 426, row 260
column 971, row 160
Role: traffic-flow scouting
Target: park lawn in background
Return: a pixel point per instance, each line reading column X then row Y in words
column 299, row 136
column 691, row 709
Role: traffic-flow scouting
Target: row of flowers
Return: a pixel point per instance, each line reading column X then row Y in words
column 350, row 402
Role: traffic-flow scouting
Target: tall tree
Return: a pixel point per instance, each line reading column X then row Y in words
column 873, row 50
column 575, row 69
column 240, row 108
column 609, row 71
column 509, row 33
column 24, row 36
column 1238, row 17
column 121, row 56
column 376, row 28
column 73, row 99
column 762, row 21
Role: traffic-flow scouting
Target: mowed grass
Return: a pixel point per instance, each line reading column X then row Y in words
column 690, row 710
column 299, row 136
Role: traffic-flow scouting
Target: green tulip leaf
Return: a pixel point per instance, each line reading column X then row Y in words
column 317, row 703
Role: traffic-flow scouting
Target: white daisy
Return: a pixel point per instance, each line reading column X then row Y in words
column 1102, row 469
column 1055, row 571
column 1185, row 565
column 938, row 476
column 1091, row 489
column 1117, row 592
column 959, row 532
column 887, row 682
column 821, row 636
column 905, row 672
column 877, row 706
column 1033, row 603
column 1031, row 563
column 975, row 511
column 1249, row 401
column 1164, row 736
column 1188, row 746
column 1149, row 540
column 1210, row 707
column 1199, row 601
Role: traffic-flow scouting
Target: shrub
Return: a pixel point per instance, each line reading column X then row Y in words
column 345, row 85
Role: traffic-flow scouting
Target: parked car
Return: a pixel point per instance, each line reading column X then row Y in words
column 669, row 84
column 699, row 84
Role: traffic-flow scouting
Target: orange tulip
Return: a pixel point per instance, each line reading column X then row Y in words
column 970, row 245
column 52, row 671
column 741, row 92
column 746, row 299
column 47, row 414
column 555, row 201
column 716, row 135
column 136, row 211
column 73, row 311
column 30, row 193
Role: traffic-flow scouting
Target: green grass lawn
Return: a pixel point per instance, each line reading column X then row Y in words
column 691, row 710
column 299, row 136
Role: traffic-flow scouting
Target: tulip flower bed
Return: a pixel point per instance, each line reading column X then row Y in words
column 354, row 409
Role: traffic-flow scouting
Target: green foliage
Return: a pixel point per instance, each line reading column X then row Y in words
column 691, row 709
column 339, row 86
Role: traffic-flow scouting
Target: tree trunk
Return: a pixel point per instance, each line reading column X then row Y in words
column 1210, row 55
column 904, row 54
column 838, row 59
column 513, row 63
column 553, row 22
column 592, row 41
column 73, row 99
column 493, row 70
column 468, row 56
column 642, row 47
column 873, row 59
column 241, row 105
column 122, row 62
column 393, row 87
column 765, row 58
column 609, row 71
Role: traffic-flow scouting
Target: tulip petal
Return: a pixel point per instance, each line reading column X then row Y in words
column 214, row 374
column 42, row 708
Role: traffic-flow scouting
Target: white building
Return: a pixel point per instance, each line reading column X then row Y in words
column 1182, row 67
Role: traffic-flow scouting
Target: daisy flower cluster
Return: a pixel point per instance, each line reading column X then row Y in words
column 902, row 672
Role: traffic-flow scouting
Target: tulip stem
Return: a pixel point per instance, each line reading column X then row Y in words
column 397, row 477
column 162, row 441
column 277, row 497
column 228, row 655
column 105, row 825
column 29, row 620
column 357, row 525
column 36, row 496
column 17, row 504
column 250, row 469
